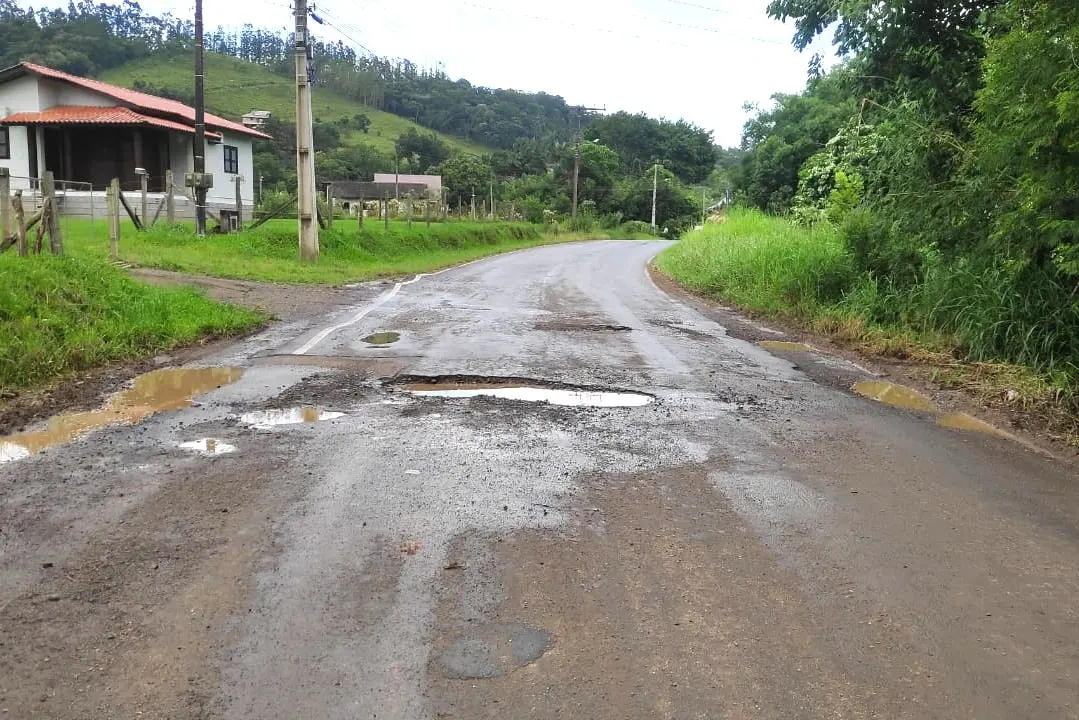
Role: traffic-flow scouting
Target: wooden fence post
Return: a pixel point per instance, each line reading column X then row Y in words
column 329, row 202
column 51, row 220
column 387, row 202
column 427, row 209
column 170, row 203
column 363, row 209
column 5, row 204
column 20, row 224
column 144, row 187
column 240, row 205
column 408, row 210
column 114, row 218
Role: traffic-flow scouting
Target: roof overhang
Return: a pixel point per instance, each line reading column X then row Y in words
column 89, row 115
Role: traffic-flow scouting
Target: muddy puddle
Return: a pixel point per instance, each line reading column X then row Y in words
column 269, row 419
column 962, row 421
column 894, row 395
column 382, row 339
column 159, row 391
column 568, row 397
column 782, row 346
column 208, row 446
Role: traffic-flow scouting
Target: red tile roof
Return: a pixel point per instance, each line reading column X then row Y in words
column 141, row 101
column 90, row 115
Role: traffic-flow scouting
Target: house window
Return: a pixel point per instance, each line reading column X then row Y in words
column 5, row 144
column 232, row 160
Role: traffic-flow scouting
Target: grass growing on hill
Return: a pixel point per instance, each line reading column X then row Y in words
column 270, row 253
column 63, row 314
column 235, row 87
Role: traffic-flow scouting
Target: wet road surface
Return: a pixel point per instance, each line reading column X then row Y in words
column 371, row 517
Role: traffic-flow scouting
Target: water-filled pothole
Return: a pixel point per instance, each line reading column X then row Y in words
column 782, row 346
column 158, row 391
column 522, row 390
column 894, row 395
column 269, row 419
column 208, row 446
column 382, row 339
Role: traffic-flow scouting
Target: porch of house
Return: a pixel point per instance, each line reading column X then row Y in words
column 89, row 157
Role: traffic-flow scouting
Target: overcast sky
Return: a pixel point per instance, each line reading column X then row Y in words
column 694, row 59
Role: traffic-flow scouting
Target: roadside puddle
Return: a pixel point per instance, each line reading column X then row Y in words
column 782, row 346
column 530, row 393
column 208, row 446
column 894, row 395
column 382, row 339
column 269, row 419
column 962, row 421
column 158, row 391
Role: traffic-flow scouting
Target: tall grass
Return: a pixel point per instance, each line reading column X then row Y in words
column 981, row 309
column 270, row 253
column 762, row 263
column 63, row 314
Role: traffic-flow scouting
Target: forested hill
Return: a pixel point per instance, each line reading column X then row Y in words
column 88, row 39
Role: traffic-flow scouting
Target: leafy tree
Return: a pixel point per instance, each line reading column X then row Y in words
column 421, row 151
column 685, row 148
column 362, row 123
column 463, row 175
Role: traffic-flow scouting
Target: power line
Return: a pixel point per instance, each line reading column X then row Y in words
column 330, row 16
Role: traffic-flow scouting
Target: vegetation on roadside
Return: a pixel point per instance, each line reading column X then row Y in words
column 270, row 253
column 808, row 275
column 59, row 315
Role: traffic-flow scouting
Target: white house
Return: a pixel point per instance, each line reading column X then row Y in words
column 88, row 132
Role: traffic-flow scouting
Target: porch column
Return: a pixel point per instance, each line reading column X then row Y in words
column 39, row 142
column 137, row 139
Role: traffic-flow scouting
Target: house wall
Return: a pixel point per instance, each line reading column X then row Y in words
column 19, row 95
column 52, row 93
column 224, row 189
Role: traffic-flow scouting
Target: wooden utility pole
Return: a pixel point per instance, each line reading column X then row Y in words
column 363, row 209
column 170, row 203
column 305, row 150
column 114, row 218
column 577, row 161
column 493, row 201
column 20, row 224
column 655, row 188
column 5, row 204
column 51, row 221
column 473, row 204
column 199, row 151
column 239, row 203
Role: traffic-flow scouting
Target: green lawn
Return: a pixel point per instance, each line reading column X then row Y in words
column 63, row 314
column 270, row 253
column 235, row 87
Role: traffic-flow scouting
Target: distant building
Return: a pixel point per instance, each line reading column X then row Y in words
column 256, row 119
column 433, row 183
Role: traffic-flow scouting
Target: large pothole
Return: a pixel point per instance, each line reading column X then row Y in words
column 520, row 390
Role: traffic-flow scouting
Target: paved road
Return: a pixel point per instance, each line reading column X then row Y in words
column 752, row 543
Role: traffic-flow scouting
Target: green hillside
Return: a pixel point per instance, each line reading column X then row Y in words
column 235, row 87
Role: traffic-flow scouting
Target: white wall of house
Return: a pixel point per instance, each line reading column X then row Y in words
column 224, row 189
column 53, row 93
column 19, row 95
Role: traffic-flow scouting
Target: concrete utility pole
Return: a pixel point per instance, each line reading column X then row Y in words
column 305, row 151
column 199, row 150
column 577, row 159
column 655, row 188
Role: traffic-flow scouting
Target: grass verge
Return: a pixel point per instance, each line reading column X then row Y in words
column 771, row 266
column 270, row 252
column 59, row 315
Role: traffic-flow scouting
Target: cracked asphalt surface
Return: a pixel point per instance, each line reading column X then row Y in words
column 757, row 542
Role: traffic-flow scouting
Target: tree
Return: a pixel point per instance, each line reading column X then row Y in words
column 362, row 123
column 421, row 151
column 686, row 149
column 462, row 175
